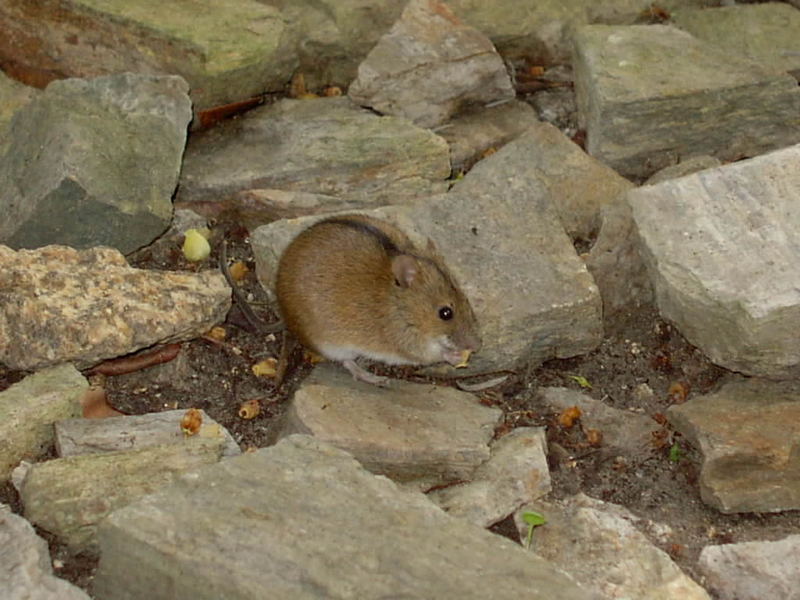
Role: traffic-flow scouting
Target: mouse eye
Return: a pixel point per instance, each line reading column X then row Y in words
column 445, row 313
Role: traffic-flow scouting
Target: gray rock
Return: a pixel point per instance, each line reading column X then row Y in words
column 334, row 36
column 483, row 130
column 58, row 304
column 29, row 408
column 650, row 95
column 261, row 206
column 615, row 262
column 502, row 238
column 515, row 473
column 25, row 569
column 75, row 437
column 226, row 52
column 69, row 496
column 94, row 163
column 747, row 432
column 500, row 230
column 13, row 96
column 577, row 185
column 685, row 167
column 303, row 520
column 722, row 248
column 323, row 146
column 621, row 429
column 602, row 546
column 764, row 33
column 753, row 570
column 409, row 431
column 428, row 66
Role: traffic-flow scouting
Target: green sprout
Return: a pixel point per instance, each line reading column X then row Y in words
column 533, row 519
column 675, row 453
column 581, row 381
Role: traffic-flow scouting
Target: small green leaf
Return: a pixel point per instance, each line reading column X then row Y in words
column 581, row 381
column 533, row 519
column 675, row 453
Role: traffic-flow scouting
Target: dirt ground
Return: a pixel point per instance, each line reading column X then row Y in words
column 638, row 349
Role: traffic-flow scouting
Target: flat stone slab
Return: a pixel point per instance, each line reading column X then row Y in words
column 765, row 33
column 69, row 496
column 322, row 146
column 25, row 567
column 69, row 178
column 75, row 437
column 650, row 95
column 749, row 434
column 230, row 50
column 406, row 431
column 430, row 65
column 753, row 570
column 29, row 408
column 303, row 519
column 722, row 248
column 604, row 547
column 58, row 304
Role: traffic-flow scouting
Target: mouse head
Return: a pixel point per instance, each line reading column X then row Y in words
column 435, row 320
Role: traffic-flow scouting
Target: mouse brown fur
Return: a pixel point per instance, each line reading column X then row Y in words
column 354, row 286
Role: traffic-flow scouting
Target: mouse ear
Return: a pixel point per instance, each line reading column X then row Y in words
column 404, row 269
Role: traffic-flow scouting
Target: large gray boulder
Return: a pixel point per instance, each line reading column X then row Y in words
column 722, row 248
column 93, row 163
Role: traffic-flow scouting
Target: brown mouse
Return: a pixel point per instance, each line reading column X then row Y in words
column 354, row 286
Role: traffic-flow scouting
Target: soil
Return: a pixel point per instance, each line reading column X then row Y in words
column 643, row 364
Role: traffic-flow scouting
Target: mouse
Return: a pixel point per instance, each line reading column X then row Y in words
column 353, row 286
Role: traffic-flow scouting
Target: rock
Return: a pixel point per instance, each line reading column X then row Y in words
column 75, row 437
column 601, row 546
column 683, row 168
column 58, row 304
column 482, row 131
column 430, row 65
column 650, row 95
column 68, row 178
column 334, row 36
column 615, row 263
column 722, row 249
column 322, row 146
column 623, row 430
column 408, row 431
column 13, row 96
column 68, row 497
column 500, row 235
column 747, row 432
column 28, row 410
column 753, row 570
column 261, row 206
column 515, row 473
column 25, row 570
column 500, row 231
column 764, row 33
column 227, row 52
column 578, row 186
column 303, row 520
